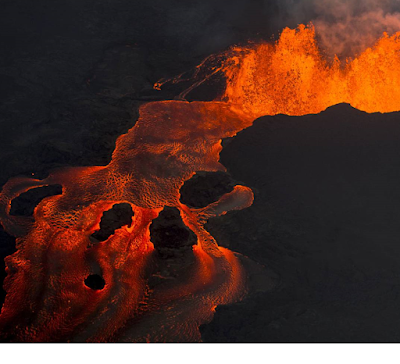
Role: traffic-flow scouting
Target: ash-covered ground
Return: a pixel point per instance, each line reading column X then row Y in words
column 325, row 218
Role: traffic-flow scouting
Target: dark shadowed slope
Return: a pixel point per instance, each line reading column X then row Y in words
column 325, row 219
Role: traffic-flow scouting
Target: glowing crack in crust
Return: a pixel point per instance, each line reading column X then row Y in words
column 47, row 299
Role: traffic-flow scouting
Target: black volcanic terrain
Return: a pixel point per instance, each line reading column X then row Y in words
column 326, row 219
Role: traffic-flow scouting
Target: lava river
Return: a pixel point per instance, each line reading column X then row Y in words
column 47, row 299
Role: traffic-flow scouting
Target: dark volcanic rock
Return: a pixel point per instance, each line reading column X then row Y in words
column 170, row 236
column 72, row 76
column 120, row 215
column 25, row 203
column 7, row 247
column 73, row 73
column 326, row 219
column 95, row 282
column 205, row 188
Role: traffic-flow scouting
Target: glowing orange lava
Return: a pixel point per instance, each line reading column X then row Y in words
column 292, row 77
column 47, row 299
column 46, row 296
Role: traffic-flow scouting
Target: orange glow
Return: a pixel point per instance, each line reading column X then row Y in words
column 47, row 299
column 172, row 140
column 292, row 77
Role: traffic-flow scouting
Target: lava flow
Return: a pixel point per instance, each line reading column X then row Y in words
column 47, row 299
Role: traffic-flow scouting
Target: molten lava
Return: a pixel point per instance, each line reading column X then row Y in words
column 47, row 299
column 292, row 77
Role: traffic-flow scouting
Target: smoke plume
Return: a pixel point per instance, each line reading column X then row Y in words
column 345, row 27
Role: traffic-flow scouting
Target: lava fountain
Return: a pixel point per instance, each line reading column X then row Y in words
column 47, row 299
column 292, row 77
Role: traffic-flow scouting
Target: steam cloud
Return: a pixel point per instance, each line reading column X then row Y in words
column 345, row 27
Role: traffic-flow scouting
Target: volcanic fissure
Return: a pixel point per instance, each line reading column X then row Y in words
column 84, row 261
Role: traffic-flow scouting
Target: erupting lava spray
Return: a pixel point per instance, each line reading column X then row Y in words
column 292, row 77
column 172, row 140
